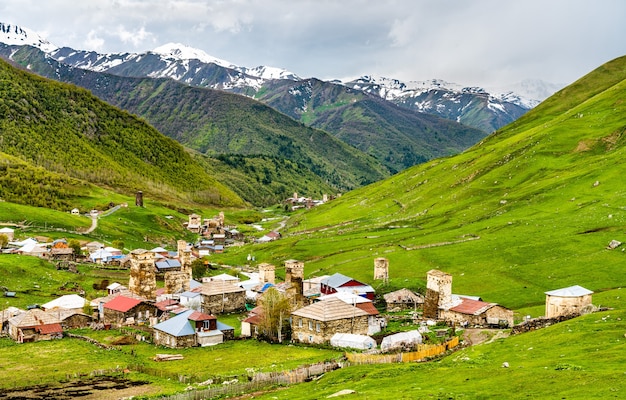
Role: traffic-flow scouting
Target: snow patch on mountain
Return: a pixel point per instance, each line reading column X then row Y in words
column 16, row 35
column 181, row 52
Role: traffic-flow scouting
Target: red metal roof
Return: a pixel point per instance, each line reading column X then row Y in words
column 472, row 307
column 368, row 308
column 121, row 303
column 166, row 304
column 199, row 316
column 253, row 319
column 49, row 329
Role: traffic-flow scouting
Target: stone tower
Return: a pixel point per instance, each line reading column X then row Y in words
column 267, row 273
column 381, row 269
column 438, row 293
column 139, row 199
column 177, row 281
column 142, row 280
column 294, row 274
column 184, row 254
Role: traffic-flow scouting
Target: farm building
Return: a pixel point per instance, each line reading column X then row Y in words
column 567, row 301
column 66, row 302
column 403, row 299
column 341, row 283
column 318, row 322
column 35, row 325
column 191, row 328
column 222, row 297
column 124, row 310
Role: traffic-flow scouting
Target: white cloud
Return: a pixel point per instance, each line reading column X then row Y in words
column 137, row 37
column 93, row 42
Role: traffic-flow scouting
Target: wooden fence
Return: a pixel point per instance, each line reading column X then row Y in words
column 423, row 351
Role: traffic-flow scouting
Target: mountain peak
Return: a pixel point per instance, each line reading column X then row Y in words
column 180, row 51
column 16, row 35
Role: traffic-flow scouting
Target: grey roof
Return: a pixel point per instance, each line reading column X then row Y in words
column 178, row 325
column 336, row 280
column 194, row 284
column 190, row 294
column 572, row 291
column 223, row 327
column 168, row 263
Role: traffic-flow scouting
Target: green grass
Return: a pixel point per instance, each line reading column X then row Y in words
column 578, row 359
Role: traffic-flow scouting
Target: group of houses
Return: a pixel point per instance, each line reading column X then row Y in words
column 325, row 309
column 296, row 202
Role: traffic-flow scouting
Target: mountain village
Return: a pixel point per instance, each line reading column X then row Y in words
column 174, row 310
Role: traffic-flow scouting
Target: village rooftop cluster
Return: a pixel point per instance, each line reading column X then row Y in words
column 329, row 309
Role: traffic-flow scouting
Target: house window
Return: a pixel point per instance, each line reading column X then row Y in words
column 310, row 339
column 206, row 324
column 317, row 326
column 310, row 325
column 300, row 323
column 300, row 336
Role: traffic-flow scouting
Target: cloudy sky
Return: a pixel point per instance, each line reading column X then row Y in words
column 470, row 42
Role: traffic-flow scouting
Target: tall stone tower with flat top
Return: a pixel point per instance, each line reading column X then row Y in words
column 381, row 269
column 267, row 273
column 142, row 280
column 438, row 293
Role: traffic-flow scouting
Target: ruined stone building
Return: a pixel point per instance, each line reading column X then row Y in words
column 294, row 274
column 267, row 273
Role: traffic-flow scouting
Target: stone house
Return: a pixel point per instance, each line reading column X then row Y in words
column 567, row 301
column 220, row 297
column 124, row 310
column 35, row 325
column 191, row 328
column 403, row 299
column 318, row 322
column 71, row 319
column 469, row 312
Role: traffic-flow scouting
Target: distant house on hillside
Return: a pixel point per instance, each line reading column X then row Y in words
column 8, row 232
column 222, row 297
column 567, row 301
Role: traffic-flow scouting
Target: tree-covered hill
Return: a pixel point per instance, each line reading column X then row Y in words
column 219, row 123
column 76, row 136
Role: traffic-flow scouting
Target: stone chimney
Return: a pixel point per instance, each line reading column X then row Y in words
column 267, row 273
column 142, row 280
column 381, row 269
column 438, row 293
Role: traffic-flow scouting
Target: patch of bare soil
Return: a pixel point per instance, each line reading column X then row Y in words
column 474, row 336
column 94, row 388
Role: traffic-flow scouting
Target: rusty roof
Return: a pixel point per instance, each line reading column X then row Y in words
column 472, row 307
column 121, row 303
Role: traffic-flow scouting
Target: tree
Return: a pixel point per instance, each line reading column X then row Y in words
column 198, row 268
column 74, row 245
column 118, row 244
column 276, row 309
column 4, row 240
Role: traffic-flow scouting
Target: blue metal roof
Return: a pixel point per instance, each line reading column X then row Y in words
column 178, row 325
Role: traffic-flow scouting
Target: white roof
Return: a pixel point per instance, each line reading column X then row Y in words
column 224, row 277
column 6, row 230
column 572, row 291
column 114, row 285
column 159, row 250
column 395, row 340
column 346, row 297
column 68, row 301
column 353, row 341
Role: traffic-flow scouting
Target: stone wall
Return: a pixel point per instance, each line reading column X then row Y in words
column 164, row 339
column 557, row 305
column 305, row 333
column 177, row 281
column 224, row 303
column 142, row 281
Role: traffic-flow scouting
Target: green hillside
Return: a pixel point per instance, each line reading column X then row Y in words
column 226, row 127
column 75, row 136
column 529, row 209
column 396, row 136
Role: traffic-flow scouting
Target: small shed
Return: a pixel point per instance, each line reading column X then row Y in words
column 403, row 299
column 402, row 340
column 10, row 233
column 349, row 340
column 567, row 301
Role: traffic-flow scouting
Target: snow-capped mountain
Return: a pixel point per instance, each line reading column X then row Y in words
column 18, row 36
column 473, row 106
